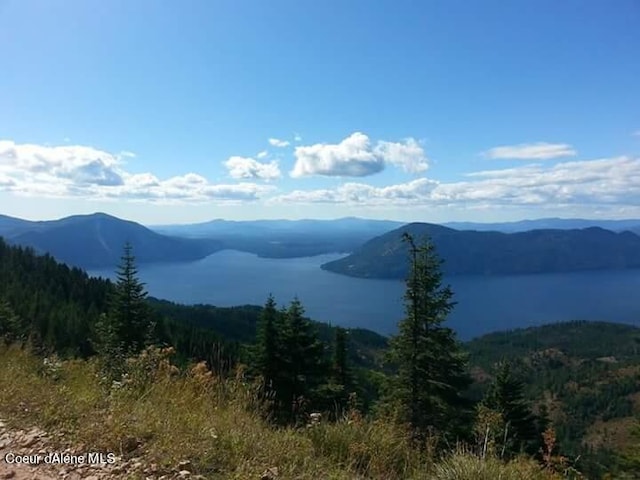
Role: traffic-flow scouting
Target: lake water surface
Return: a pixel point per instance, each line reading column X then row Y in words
column 485, row 303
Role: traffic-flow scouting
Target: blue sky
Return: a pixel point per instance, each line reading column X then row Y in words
column 165, row 112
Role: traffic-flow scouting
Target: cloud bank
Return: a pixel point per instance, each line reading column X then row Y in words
column 605, row 181
column 90, row 173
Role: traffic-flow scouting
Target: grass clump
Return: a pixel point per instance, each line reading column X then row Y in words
column 165, row 415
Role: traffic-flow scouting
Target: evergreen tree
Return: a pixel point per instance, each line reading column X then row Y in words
column 267, row 355
column 341, row 371
column 431, row 368
column 128, row 326
column 12, row 328
column 303, row 364
column 523, row 430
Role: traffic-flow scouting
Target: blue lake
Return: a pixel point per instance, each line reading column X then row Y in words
column 485, row 304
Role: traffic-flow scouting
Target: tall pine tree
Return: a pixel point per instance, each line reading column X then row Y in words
column 127, row 328
column 341, row 371
column 303, row 364
column 268, row 357
column 431, row 368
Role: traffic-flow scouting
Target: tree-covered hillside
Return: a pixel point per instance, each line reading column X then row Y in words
column 584, row 375
column 475, row 252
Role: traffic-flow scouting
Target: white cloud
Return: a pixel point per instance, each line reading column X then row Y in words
column 297, row 137
column 597, row 183
column 89, row 173
column 531, row 151
column 245, row 168
column 408, row 155
column 278, row 143
column 262, row 154
column 414, row 192
column 353, row 157
column 356, row 157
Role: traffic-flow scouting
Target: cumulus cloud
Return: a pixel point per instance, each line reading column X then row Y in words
column 353, row 157
column 244, row 168
column 262, row 154
column 408, row 154
column 356, row 157
column 531, row 151
column 87, row 172
column 278, row 143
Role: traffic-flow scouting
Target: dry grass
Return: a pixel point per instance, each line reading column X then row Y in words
column 165, row 416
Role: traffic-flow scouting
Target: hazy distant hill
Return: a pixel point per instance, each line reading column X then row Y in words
column 10, row 226
column 286, row 238
column 96, row 241
column 474, row 252
column 548, row 223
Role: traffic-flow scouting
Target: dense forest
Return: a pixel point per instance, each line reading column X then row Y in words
column 576, row 381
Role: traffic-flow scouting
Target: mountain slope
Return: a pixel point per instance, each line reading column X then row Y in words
column 10, row 226
column 96, row 241
column 473, row 252
column 587, row 376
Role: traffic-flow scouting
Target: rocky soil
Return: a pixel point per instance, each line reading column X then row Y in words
column 49, row 458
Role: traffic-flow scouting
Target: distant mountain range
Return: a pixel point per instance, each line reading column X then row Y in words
column 97, row 240
column 548, row 223
column 475, row 252
column 286, row 238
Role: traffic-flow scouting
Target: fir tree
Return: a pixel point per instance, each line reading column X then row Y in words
column 128, row 325
column 12, row 328
column 303, row 364
column 341, row 371
column 523, row 430
column 267, row 354
column 431, row 368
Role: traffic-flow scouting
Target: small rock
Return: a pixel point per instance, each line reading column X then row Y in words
column 8, row 475
column 184, row 473
column 29, row 441
column 184, row 464
column 270, row 474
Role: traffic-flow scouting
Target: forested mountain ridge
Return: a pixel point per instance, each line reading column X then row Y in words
column 95, row 241
column 474, row 252
column 586, row 375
